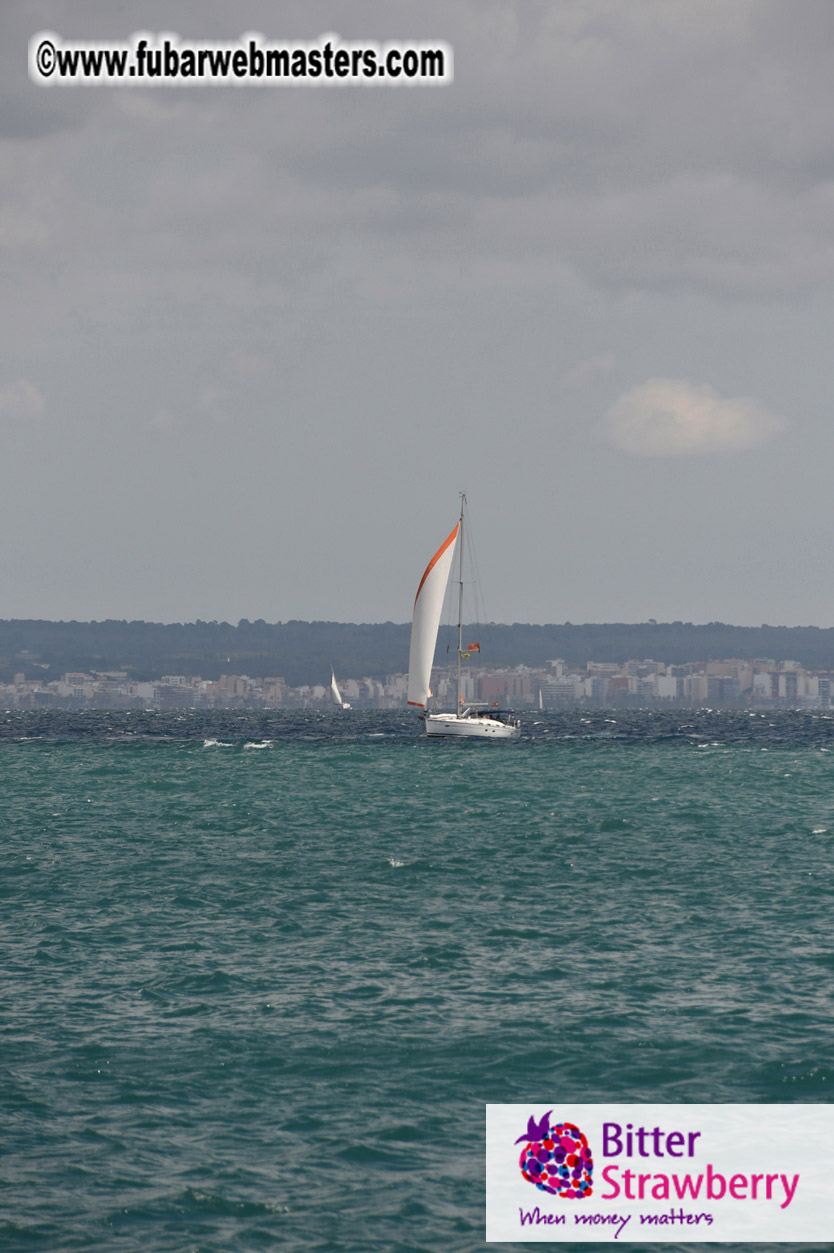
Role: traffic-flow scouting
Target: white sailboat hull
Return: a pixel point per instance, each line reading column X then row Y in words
column 472, row 726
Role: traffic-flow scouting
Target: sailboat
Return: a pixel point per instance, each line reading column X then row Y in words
column 472, row 721
column 334, row 688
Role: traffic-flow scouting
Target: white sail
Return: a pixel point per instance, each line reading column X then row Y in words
column 428, row 605
column 334, row 688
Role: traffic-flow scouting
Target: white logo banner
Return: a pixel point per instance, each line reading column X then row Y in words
column 659, row 1173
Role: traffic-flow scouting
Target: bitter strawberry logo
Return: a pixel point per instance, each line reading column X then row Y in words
column 556, row 1158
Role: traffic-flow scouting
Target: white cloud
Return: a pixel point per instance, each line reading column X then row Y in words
column 675, row 417
column 21, row 400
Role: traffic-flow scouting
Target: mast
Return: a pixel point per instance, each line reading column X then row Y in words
column 460, row 599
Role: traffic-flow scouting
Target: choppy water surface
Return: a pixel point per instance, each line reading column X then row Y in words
column 261, row 973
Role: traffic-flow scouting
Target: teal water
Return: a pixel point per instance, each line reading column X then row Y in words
column 260, row 974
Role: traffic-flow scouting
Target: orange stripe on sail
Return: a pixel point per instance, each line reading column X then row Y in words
column 441, row 550
column 418, row 703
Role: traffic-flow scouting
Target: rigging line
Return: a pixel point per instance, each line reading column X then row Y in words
column 473, row 591
column 478, row 595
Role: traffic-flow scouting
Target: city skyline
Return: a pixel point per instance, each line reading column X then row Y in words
column 752, row 683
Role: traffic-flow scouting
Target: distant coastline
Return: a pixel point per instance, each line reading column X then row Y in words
column 301, row 653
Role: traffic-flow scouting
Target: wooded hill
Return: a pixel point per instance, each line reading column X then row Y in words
column 302, row 652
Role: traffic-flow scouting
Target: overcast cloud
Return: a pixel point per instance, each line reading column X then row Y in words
column 256, row 339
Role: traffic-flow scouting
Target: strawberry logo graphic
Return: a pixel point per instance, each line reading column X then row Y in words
column 556, row 1158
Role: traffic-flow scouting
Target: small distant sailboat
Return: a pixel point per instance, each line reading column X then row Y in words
column 471, row 721
column 334, row 688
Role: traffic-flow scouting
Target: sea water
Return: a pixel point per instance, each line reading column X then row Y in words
column 261, row 973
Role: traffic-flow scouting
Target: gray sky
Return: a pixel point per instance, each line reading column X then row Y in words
column 255, row 340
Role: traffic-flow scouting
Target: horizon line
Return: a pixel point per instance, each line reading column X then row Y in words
column 247, row 622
